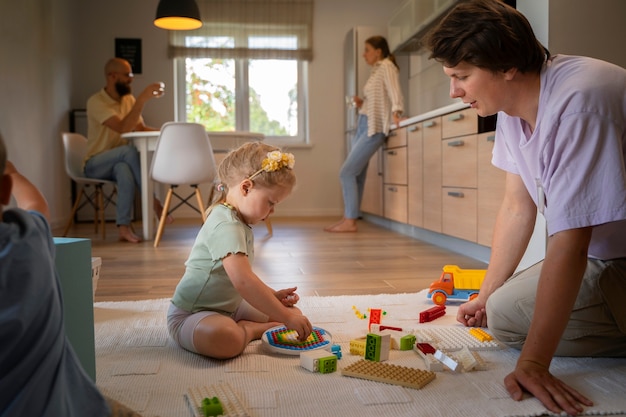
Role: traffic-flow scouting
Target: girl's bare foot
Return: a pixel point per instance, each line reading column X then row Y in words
column 127, row 234
column 255, row 330
column 344, row 226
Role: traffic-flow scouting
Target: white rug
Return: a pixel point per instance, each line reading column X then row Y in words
column 138, row 364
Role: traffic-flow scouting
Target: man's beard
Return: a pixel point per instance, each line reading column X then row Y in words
column 122, row 89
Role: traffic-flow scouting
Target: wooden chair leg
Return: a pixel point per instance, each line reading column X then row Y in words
column 100, row 197
column 166, row 208
column 74, row 209
column 201, row 204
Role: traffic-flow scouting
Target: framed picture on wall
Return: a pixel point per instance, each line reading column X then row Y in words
column 130, row 50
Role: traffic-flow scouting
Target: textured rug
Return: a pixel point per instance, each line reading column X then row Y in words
column 138, row 364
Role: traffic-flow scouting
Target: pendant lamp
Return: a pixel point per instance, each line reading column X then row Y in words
column 178, row 15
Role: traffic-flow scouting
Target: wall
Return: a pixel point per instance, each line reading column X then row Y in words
column 36, row 76
column 318, row 191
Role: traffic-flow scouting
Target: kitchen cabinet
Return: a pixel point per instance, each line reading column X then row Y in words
column 490, row 188
column 395, row 176
column 372, row 202
column 411, row 20
column 415, row 172
column 431, row 161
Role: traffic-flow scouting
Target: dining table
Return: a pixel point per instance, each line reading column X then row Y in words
column 146, row 143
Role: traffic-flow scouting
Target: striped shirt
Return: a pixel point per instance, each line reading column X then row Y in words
column 382, row 96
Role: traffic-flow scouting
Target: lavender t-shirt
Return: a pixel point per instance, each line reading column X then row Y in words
column 576, row 152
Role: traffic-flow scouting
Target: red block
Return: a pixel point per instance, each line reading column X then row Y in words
column 432, row 313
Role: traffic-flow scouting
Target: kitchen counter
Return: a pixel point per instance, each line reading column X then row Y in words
column 433, row 113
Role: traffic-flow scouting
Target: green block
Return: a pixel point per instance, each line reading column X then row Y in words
column 328, row 365
column 212, row 407
column 407, row 342
column 73, row 263
column 372, row 347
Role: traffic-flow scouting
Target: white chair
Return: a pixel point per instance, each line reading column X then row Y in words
column 183, row 156
column 75, row 148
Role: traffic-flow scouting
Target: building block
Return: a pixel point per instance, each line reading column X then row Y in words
column 449, row 339
column 407, row 342
column 375, row 317
column 231, row 404
column 281, row 340
column 432, row 313
column 320, row 361
column 470, row 360
column 336, row 350
column 389, row 374
column 212, row 407
column 480, row 334
column 377, row 347
column 426, row 351
column 446, row 360
column 357, row 346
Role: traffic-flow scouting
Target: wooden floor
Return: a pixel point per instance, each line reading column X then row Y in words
column 372, row 261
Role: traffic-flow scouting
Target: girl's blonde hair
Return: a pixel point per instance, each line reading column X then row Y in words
column 246, row 162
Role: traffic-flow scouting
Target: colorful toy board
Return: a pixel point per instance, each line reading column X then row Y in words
column 281, row 340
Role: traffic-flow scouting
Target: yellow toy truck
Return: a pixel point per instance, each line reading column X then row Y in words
column 456, row 284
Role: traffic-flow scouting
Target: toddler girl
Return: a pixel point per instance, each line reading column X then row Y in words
column 220, row 305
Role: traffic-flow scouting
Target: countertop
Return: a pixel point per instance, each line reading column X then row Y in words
column 433, row 113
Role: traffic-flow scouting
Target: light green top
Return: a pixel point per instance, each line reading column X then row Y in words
column 205, row 284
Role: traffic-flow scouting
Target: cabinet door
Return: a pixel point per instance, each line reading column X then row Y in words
column 395, row 166
column 460, row 212
column 490, row 189
column 415, row 175
column 459, row 161
column 373, row 191
column 459, row 123
column 432, row 174
column 395, row 206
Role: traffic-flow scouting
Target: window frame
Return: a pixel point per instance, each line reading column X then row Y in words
column 242, row 108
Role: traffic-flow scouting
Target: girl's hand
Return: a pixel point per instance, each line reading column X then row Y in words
column 287, row 296
column 300, row 324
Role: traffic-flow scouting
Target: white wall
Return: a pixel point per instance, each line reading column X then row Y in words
column 318, row 191
column 34, row 85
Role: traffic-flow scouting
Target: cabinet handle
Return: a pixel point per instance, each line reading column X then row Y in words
column 392, row 189
column 458, row 194
column 456, row 143
column 413, row 129
column 392, row 153
column 429, row 123
column 455, row 117
column 491, row 138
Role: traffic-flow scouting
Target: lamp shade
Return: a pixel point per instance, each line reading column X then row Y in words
column 178, row 15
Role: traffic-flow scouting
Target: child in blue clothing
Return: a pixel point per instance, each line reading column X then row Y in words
column 40, row 375
column 220, row 305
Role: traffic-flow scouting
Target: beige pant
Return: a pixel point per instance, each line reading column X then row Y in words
column 120, row 410
column 597, row 325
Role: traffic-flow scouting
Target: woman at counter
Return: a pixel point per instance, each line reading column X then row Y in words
column 381, row 99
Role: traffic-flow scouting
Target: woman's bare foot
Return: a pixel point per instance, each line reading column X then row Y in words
column 127, row 234
column 158, row 210
column 344, row 226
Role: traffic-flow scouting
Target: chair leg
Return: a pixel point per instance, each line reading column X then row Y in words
column 74, row 209
column 268, row 224
column 200, row 204
column 166, row 208
column 100, row 203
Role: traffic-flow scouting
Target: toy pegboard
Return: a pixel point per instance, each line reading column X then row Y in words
column 281, row 340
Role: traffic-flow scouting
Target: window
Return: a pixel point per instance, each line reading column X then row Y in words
column 245, row 69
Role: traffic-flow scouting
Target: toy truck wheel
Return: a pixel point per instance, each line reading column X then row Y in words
column 439, row 298
column 472, row 296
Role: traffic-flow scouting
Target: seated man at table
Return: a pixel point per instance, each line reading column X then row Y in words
column 110, row 112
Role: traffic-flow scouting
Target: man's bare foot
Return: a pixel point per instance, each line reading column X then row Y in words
column 127, row 234
column 158, row 210
column 344, row 226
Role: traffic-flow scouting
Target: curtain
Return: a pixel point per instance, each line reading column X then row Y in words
column 254, row 29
